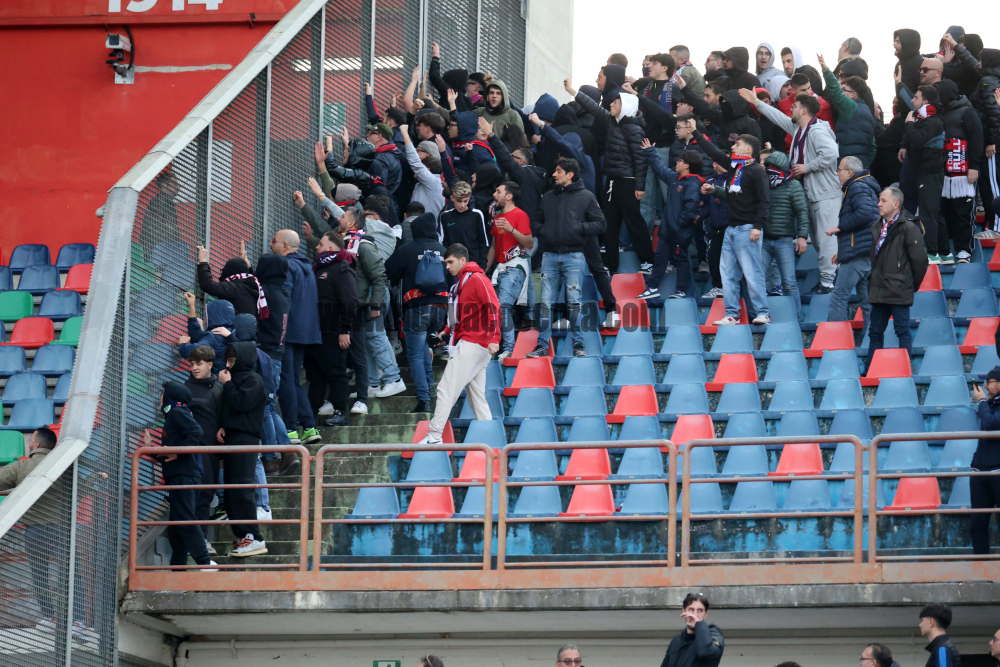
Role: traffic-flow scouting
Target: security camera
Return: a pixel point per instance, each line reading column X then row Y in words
column 118, row 42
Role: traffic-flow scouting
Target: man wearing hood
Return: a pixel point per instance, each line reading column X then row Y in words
column 220, row 314
column 519, row 164
column 791, row 60
column 454, row 79
column 963, row 147
column 497, row 109
column 484, row 183
column 423, row 312
column 180, row 429
column 737, row 64
column 858, row 213
column 765, row 59
column 474, row 327
column 609, row 82
column 814, row 159
column 205, row 405
column 470, row 147
column 625, row 165
column 906, row 45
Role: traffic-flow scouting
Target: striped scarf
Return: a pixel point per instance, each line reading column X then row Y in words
column 262, row 310
column 739, row 161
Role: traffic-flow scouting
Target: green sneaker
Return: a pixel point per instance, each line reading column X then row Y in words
column 948, row 259
column 310, row 435
column 933, row 259
column 294, row 437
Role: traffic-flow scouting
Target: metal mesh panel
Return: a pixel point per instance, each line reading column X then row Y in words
column 452, row 24
column 347, row 64
column 397, row 39
column 501, row 45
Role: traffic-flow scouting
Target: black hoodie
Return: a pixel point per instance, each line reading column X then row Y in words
column 206, row 405
column 243, row 398
column 404, row 262
column 180, row 429
column 738, row 75
column 272, row 270
column 963, row 131
column 614, row 77
column 909, row 57
column 241, row 293
column 488, row 177
column 736, row 120
column 336, row 285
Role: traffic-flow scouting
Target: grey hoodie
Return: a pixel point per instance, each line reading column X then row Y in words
column 765, row 75
column 506, row 116
column 821, row 154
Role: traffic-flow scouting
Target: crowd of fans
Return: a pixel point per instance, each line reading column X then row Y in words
column 427, row 229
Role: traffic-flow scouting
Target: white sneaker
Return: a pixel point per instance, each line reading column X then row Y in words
column 987, row 234
column 248, row 546
column 963, row 257
column 210, row 548
column 263, row 514
column 503, row 355
column 612, row 321
column 391, row 389
column 762, row 319
column 326, row 410
column 430, row 440
column 645, row 268
column 359, row 408
column 714, row 293
column 209, row 569
column 726, row 320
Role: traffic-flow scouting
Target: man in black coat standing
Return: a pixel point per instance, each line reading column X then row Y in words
column 700, row 644
column 899, row 262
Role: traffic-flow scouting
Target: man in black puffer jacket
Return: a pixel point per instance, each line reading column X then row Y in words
column 625, row 165
column 700, row 644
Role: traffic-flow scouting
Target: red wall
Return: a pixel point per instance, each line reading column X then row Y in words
column 68, row 132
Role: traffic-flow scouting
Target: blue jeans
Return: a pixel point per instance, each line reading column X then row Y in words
column 782, row 251
column 260, row 495
column 740, row 257
column 881, row 312
column 852, row 275
column 379, row 351
column 568, row 267
column 275, row 432
column 509, row 284
column 293, row 396
column 416, row 323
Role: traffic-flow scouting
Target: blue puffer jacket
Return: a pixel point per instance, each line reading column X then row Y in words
column 683, row 193
column 858, row 212
column 303, row 316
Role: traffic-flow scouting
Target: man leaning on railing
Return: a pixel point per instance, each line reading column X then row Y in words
column 985, row 491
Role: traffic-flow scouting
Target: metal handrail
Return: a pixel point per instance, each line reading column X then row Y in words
column 135, row 489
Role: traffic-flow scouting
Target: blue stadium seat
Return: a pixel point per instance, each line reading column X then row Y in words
column 786, row 365
column 585, row 401
column 640, row 428
column 59, row 305
column 492, row 398
column 474, row 505
column 683, row 312
column 490, row 433
column 847, row 496
column 22, row 386
column 979, row 302
column 54, row 359
column 494, row 375
column 842, row 395
column 782, row 336
column 852, row 422
column 682, row 340
column 646, row 500
column 80, row 253
column 430, row 467
column 753, row 497
column 744, row 461
column 39, row 279
column 634, row 341
column 810, row 495
column 843, row 459
column 375, row 503
column 934, row 331
column 957, row 455
column 798, row 423
column 961, row 494
column 584, row 372
column 745, row 425
column 970, row 276
column 12, row 360
column 986, row 358
column 908, row 456
column 685, row 368
column 589, row 429
column 782, row 310
column 6, row 279
column 895, row 393
column 702, row 461
column 791, row 395
column 534, row 402
column 735, row 338
column 640, row 463
column 29, row 254
column 928, row 305
column 838, row 364
column 634, row 370
column 819, row 307
column 889, row 340
column 30, row 414
column 535, row 465
column 956, row 419
column 538, row 430
column 903, row 420
column 61, row 393
column 946, row 391
column 739, row 397
column 941, row 359
column 687, row 399
column 592, row 343
column 540, row 501
column 706, row 498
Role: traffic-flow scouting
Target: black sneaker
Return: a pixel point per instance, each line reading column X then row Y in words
column 677, row 295
column 539, row 351
column 338, row 419
column 422, row 406
column 822, row 289
column 579, row 350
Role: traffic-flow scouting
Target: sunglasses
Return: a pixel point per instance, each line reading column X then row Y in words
column 572, row 661
column 924, row 70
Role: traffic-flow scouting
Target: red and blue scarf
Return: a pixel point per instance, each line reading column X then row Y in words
column 739, row 162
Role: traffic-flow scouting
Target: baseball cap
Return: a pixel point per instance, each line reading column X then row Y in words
column 380, row 128
column 993, row 374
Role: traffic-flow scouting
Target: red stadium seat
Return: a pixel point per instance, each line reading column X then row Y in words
column 982, row 331
column 932, row 279
column 535, row 372
column 526, row 342
column 889, row 362
column 78, row 278
column 474, row 467
column 733, row 368
column 627, row 286
column 634, row 401
column 800, row 459
column 831, row 336
column 422, row 427
column 633, row 312
column 718, row 311
column 692, row 427
column 917, row 493
column 591, row 500
column 430, row 502
column 587, row 464
column 32, row 333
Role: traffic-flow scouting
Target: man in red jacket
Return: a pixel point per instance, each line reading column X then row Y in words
column 474, row 325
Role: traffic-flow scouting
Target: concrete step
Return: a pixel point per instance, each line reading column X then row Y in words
column 389, row 418
column 385, row 434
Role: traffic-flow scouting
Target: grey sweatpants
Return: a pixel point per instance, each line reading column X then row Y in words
column 466, row 369
column 823, row 215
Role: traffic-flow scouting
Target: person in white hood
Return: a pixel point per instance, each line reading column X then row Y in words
column 791, row 59
column 765, row 59
column 775, row 86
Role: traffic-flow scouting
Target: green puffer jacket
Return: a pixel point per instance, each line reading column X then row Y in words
column 789, row 209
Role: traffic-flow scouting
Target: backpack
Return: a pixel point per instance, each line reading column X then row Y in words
column 429, row 278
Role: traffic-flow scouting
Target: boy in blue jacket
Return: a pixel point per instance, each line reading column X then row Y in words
column 215, row 335
column 679, row 225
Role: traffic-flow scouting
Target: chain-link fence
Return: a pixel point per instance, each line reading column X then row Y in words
column 228, row 189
